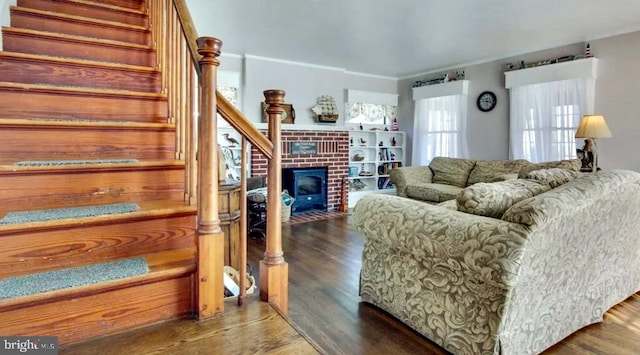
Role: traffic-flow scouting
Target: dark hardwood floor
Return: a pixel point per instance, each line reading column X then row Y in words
column 324, row 264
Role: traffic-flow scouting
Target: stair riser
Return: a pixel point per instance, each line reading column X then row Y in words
column 26, row 71
column 72, row 188
column 86, row 10
column 59, row 143
column 76, row 48
column 73, row 320
column 130, row 4
column 21, row 104
column 33, row 252
column 39, row 22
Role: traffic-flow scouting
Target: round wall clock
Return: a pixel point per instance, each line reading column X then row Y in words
column 487, row 101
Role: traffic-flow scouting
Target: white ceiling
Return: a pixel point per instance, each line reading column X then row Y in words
column 398, row 38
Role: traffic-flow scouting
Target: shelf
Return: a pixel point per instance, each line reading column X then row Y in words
column 383, row 151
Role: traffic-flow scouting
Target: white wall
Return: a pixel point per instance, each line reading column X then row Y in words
column 617, row 98
column 302, row 82
column 4, row 14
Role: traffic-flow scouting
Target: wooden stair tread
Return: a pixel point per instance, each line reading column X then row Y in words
column 77, row 61
column 79, row 124
column 162, row 266
column 76, row 18
column 74, row 38
column 96, row 4
column 148, row 209
column 81, row 90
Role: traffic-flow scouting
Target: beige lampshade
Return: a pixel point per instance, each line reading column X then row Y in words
column 593, row 126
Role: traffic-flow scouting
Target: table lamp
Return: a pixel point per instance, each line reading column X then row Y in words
column 593, row 127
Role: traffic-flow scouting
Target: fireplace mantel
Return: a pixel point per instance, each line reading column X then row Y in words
column 305, row 127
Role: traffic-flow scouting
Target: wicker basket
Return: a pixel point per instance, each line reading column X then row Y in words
column 235, row 276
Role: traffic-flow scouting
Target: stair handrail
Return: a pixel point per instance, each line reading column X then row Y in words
column 179, row 47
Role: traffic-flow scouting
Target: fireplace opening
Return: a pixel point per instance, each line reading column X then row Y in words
column 308, row 186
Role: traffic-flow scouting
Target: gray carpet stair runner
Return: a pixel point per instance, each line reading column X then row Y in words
column 74, row 162
column 66, row 213
column 71, row 277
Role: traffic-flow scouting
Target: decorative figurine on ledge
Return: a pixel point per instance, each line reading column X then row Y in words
column 393, row 141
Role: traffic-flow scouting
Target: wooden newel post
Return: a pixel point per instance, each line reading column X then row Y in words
column 210, row 296
column 274, row 272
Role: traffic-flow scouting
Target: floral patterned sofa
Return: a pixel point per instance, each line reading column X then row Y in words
column 444, row 178
column 509, row 267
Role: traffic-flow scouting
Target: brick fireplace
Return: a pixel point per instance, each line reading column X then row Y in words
column 332, row 152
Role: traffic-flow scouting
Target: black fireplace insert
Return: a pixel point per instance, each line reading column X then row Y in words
column 308, row 186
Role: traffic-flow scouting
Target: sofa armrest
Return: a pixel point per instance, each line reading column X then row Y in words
column 426, row 265
column 410, row 175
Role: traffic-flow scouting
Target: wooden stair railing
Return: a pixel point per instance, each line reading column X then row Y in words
column 189, row 65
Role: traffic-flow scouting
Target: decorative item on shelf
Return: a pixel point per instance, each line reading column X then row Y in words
column 394, row 124
column 393, row 156
column 393, row 141
column 364, row 172
column 288, row 116
column 386, row 129
column 351, row 142
column 353, row 171
column 362, row 141
column 326, row 109
column 381, row 144
column 357, row 185
column 592, row 127
column 358, row 156
column 361, row 127
column 232, row 141
column 587, row 51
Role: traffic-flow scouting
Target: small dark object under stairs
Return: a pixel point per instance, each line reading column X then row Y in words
column 78, row 81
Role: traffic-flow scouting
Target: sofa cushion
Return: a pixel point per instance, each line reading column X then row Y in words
column 450, row 204
column 451, row 171
column 554, row 176
column 433, row 192
column 494, row 170
column 573, row 164
column 493, row 199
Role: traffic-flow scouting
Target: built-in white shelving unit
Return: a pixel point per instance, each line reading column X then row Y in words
column 372, row 154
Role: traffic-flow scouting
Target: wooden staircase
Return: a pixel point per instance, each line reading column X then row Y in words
column 79, row 81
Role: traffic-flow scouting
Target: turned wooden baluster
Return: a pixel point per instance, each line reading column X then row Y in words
column 210, row 298
column 273, row 269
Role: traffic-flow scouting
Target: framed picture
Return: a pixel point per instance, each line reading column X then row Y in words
column 289, row 115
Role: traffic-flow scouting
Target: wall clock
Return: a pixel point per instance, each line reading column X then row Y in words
column 487, row 101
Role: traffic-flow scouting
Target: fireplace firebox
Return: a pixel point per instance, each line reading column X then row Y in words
column 308, row 186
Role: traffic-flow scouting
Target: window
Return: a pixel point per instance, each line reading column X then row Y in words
column 439, row 129
column 544, row 119
column 370, row 108
column 230, row 93
column 361, row 113
column 547, row 104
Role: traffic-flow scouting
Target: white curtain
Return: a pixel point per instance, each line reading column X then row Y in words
column 440, row 129
column 544, row 118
